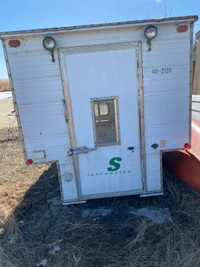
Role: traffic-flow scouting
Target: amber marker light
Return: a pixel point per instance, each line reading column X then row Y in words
column 14, row 43
column 186, row 145
column 182, row 28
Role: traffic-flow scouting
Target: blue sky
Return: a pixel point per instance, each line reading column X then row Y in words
column 33, row 14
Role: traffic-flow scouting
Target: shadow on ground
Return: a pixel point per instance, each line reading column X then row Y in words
column 42, row 232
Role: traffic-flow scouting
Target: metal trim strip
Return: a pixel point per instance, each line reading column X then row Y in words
column 190, row 83
column 113, row 194
column 140, row 101
column 100, row 26
column 69, row 118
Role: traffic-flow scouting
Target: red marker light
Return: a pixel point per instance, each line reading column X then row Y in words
column 182, row 28
column 186, row 145
column 14, row 43
column 29, row 161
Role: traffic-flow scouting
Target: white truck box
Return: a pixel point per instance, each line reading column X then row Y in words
column 108, row 106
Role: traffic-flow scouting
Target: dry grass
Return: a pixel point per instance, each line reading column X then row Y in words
column 33, row 222
column 4, row 85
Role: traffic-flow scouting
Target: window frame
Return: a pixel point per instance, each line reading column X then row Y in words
column 117, row 127
column 99, row 109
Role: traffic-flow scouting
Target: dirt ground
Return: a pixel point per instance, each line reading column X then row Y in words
column 36, row 230
column 4, row 85
column 7, row 116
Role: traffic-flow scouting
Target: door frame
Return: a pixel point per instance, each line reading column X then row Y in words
column 69, row 112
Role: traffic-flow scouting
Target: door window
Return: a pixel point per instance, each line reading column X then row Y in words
column 105, row 121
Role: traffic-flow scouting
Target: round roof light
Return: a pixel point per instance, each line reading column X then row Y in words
column 150, row 32
column 49, row 43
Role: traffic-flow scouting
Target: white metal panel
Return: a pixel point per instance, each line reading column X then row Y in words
column 166, row 98
column 178, row 107
column 174, row 135
column 40, row 98
column 69, row 189
column 43, row 120
column 172, row 143
column 45, row 109
column 26, row 66
column 39, row 85
column 164, row 53
column 47, row 141
column 159, row 131
column 34, row 97
column 154, row 179
column 157, row 114
column 157, row 87
column 167, row 118
column 44, row 129
column 166, row 95
column 178, row 72
column 35, row 73
column 103, row 36
column 39, row 93
column 37, row 57
column 104, row 74
column 55, row 147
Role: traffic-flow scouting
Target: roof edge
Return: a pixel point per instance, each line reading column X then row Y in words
column 192, row 18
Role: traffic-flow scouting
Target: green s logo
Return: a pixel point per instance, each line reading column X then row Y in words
column 115, row 165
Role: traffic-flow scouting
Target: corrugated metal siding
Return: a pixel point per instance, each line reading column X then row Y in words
column 166, row 98
column 40, row 98
column 38, row 88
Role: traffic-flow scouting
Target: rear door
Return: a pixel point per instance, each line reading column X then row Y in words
column 102, row 84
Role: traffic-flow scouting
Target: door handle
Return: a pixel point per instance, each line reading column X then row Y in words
column 131, row 148
column 80, row 150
